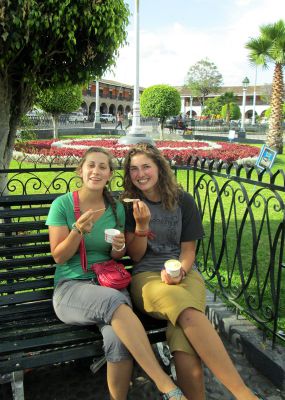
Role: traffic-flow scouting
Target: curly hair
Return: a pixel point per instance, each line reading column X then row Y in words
column 169, row 189
column 106, row 192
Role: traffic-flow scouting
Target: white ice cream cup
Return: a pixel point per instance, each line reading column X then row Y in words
column 173, row 268
column 110, row 233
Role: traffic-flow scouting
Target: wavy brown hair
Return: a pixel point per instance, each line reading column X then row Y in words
column 169, row 189
column 106, row 192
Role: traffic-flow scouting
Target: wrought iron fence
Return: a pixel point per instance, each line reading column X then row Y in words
column 243, row 210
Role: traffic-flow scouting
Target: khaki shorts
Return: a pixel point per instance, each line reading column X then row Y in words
column 163, row 301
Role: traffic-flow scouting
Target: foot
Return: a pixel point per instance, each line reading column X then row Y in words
column 258, row 396
column 174, row 394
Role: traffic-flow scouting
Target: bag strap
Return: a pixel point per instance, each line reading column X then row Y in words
column 82, row 249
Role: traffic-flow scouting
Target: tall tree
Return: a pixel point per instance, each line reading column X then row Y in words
column 51, row 42
column 230, row 111
column 227, row 99
column 268, row 48
column 202, row 79
column 212, row 107
column 160, row 101
column 59, row 100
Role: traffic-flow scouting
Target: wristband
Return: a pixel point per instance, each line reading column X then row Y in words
column 149, row 234
column 75, row 228
column 122, row 248
column 184, row 273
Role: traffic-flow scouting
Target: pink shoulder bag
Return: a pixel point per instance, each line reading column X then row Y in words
column 109, row 273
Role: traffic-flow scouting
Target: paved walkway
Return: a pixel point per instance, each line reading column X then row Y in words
column 74, row 381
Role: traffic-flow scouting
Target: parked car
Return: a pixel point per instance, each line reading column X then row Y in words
column 39, row 117
column 107, row 118
column 77, row 117
column 174, row 123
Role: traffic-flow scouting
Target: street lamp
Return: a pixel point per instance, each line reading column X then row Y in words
column 254, row 99
column 135, row 135
column 191, row 107
column 245, row 83
column 97, row 123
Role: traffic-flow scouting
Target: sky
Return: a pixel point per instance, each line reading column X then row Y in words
column 175, row 35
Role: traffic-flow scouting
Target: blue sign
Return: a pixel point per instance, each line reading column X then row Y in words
column 266, row 157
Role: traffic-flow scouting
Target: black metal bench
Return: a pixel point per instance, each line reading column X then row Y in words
column 30, row 333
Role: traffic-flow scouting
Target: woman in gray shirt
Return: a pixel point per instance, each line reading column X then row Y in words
column 162, row 222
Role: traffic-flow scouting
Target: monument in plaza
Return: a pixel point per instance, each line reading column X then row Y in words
column 135, row 134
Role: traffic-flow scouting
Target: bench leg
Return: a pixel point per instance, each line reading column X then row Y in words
column 17, row 383
column 162, row 351
column 97, row 364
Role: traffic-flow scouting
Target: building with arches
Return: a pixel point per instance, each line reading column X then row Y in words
column 114, row 97
column 117, row 97
column 262, row 92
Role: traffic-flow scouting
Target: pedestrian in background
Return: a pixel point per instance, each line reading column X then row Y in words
column 120, row 119
column 130, row 120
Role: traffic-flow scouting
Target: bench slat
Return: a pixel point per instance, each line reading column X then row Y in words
column 18, row 200
column 41, row 309
column 24, row 361
column 22, row 226
column 24, row 273
column 26, row 262
column 32, row 324
column 26, row 285
column 26, row 297
column 25, row 250
column 35, row 328
column 9, row 213
column 52, row 340
column 15, row 240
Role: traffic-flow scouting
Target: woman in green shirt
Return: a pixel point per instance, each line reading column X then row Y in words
column 78, row 299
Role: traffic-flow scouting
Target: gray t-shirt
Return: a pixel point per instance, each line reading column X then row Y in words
column 170, row 229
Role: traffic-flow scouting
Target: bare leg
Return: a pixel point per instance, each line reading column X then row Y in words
column 190, row 375
column 212, row 352
column 118, row 377
column 129, row 329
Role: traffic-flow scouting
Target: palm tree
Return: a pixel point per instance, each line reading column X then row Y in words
column 227, row 99
column 269, row 47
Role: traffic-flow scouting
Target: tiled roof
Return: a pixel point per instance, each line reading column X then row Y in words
column 237, row 90
column 118, row 84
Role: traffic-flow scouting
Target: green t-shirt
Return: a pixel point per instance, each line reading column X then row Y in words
column 62, row 214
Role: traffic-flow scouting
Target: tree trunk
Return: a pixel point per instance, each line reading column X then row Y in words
column 162, row 128
column 55, row 119
column 228, row 114
column 275, row 134
column 15, row 100
column 5, row 135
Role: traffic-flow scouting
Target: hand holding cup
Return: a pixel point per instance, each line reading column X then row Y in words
column 115, row 237
column 172, row 272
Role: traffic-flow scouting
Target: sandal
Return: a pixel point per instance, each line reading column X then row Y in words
column 259, row 396
column 175, row 393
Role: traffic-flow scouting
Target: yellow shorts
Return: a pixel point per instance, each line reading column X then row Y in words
column 163, row 301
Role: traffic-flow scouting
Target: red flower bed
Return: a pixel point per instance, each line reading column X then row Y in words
column 178, row 151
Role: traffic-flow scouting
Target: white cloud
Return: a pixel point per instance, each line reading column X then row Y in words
column 167, row 53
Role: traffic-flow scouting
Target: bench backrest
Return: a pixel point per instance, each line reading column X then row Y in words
column 26, row 265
